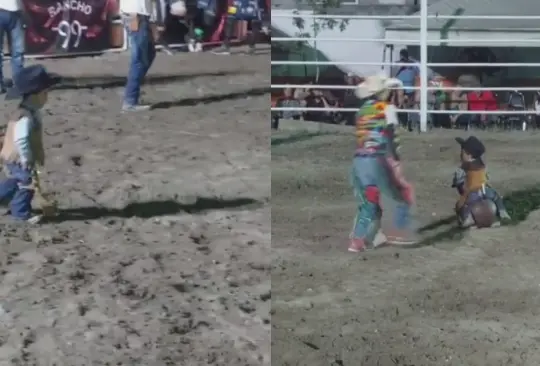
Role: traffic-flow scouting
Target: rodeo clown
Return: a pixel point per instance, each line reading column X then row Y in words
column 471, row 182
column 377, row 169
column 22, row 148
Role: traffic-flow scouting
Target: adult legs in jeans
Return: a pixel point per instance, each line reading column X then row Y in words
column 371, row 183
column 17, row 191
column 475, row 121
column 12, row 25
column 143, row 52
column 225, row 49
column 463, row 121
column 229, row 32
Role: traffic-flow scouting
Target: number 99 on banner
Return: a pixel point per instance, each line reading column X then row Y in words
column 71, row 33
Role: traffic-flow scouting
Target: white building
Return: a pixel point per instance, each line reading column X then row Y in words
column 516, row 35
column 357, row 28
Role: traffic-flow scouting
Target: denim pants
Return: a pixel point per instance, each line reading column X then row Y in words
column 231, row 22
column 11, row 22
column 143, row 53
column 488, row 193
column 15, row 190
column 370, row 175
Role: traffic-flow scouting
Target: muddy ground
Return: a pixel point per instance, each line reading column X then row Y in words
column 462, row 299
column 161, row 253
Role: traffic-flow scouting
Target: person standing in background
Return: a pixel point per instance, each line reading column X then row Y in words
column 407, row 75
column 406, row 96
column 11, row 22
column 159, row 14
column 537, row 109
column 136, row 16
column 161, row 10
column 350, row 100
column 242, row 10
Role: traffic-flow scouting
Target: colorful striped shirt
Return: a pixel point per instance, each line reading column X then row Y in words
column 373, row 134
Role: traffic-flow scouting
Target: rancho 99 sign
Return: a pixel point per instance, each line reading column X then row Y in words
column 68, row 26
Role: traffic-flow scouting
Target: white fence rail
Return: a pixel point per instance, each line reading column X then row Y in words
column 419, row 64
column 429, row 111
column 423, row 41
column 409, row 42
column 400, row 17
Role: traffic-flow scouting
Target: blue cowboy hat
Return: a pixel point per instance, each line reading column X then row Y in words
column 31, row 80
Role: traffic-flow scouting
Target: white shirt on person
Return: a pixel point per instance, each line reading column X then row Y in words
column 142, row 7
column 10, row 5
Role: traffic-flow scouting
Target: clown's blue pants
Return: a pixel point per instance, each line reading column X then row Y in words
column 371, row 181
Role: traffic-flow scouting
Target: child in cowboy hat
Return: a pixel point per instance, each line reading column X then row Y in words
column 471, row 182
column 22, row 147
column 377, row 169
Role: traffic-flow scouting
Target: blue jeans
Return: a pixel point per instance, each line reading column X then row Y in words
column 15, row 190
column 11, row 22
column 143, row 53
column 370, row 175
column 489, row 194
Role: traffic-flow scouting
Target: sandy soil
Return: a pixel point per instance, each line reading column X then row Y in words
column 461, row 299
column 161, row 253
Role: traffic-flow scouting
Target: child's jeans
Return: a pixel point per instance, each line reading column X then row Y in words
column 17, row 190
column 371, row 181
column 488, row 193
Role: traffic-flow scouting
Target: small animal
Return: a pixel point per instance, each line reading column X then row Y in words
column 484, row 213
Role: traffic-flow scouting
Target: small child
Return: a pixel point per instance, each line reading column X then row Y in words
column 471, row 182
column 22, row 147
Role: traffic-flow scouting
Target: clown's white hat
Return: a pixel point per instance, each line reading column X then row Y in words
column 375, row 84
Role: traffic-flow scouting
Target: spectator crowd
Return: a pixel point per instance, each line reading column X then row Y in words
column 408, row 98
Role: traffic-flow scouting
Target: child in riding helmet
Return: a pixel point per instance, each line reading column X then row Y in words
column 471, row 182
column 22, row 148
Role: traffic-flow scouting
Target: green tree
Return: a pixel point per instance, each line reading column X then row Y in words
column 312, row 27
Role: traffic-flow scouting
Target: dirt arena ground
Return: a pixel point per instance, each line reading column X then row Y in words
column 461, row 299
column 161, row 255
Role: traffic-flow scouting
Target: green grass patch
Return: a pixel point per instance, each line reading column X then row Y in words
column 519, row 204
column 522, row 202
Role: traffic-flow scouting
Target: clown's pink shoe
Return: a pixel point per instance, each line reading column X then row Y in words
column 357, row 245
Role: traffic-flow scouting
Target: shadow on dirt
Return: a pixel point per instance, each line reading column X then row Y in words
column 151, row 209
column 518, row 203
column 453, row 232
column 298, row 137
column 258, row 51
column 115, row 81
column 252, row 92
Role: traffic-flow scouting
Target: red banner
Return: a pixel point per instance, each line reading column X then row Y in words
column 69, row 26
column 55, row 27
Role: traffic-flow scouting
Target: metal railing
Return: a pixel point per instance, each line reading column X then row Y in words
column 409, row 42
column 423, row 41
